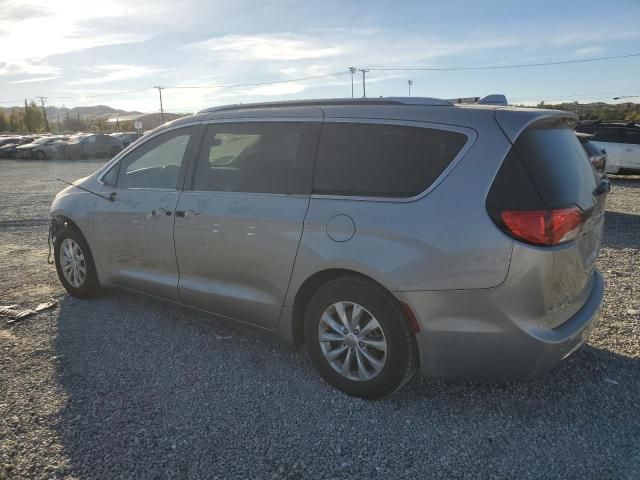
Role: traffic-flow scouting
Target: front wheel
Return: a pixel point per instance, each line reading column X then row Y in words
column 74, row 263
column 358, row 338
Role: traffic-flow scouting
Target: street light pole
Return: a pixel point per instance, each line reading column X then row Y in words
column 352, row 70
column 364, row 85
column 410, row 82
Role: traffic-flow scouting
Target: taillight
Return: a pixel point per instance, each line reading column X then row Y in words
column 543, row 227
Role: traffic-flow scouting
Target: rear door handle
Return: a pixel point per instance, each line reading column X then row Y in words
column 627, row 149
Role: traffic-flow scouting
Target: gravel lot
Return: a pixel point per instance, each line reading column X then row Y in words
column 128, row 387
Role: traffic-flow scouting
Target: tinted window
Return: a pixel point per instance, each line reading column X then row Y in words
column 608, row 134
column 156, row 163
column 382, row 160
column 249, row 157
column 558, row 165
column 632, row 136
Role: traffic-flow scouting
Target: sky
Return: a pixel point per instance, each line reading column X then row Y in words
column 113, row 52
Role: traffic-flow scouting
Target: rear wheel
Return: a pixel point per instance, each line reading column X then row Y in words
column 40, row 155
column 358, row 338
column 74, row 263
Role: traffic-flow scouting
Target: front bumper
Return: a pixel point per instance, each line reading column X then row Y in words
column 465, row 334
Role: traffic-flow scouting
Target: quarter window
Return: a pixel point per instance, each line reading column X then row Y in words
column 382, row 160
column 156, row 163
column 249, row 157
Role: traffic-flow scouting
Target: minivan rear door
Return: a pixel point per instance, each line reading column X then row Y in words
column 239, row 220
column 564, row 178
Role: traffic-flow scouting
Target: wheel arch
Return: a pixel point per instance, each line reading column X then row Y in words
column 310, row 285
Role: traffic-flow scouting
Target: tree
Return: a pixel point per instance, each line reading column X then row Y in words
column 16, row 123
column 4, row 125
column 33, row 121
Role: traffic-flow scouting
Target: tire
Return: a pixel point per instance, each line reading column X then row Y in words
column 40, row 155
column 115, row 151
column 68, row 236
column 399, row 357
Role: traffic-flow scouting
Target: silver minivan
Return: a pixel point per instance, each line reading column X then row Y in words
column 386, row 234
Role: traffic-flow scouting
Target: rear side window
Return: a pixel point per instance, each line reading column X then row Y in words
column 558, row 165
column 375, row 160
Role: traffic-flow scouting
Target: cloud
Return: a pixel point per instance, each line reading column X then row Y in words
column 114, row 73
column 268, row 47
column 590, row 51
column 32, row 80
column 32, row 34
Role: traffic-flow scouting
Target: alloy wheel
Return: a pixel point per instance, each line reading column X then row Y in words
column 352, row 341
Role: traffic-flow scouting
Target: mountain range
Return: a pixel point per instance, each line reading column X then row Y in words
column 86, row 113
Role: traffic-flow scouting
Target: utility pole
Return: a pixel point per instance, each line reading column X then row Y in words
column 161, row 109
column 353, row 70
column 364, row 86
column 410, row 82
column 44, row 113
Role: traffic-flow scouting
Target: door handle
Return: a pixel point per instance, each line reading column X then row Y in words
column 159, row 212
column 190, row 213
column 627, row 149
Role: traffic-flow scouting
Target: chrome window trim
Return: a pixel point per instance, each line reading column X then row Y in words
column 470, row 133
column 138, row 143
column 263, row 119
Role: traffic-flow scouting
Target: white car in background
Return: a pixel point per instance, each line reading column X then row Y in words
column 620, row 140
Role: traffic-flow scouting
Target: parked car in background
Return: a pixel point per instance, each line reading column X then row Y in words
column 7, row 140
column 92, row 146
column 10, row 150
column 386, row 234
column 620, row 140
column 40, row 148
column 127, row 138
column 597, row 156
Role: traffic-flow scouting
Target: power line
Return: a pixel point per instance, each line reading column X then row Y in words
column 497, row 67
column 257, row 84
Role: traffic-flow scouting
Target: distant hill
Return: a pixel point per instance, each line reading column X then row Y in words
column 86, row 113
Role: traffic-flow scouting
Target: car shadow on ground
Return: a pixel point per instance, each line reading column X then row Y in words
column 621, row 230
column 155, row 390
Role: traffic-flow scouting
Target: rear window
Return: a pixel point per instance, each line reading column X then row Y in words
column 558, row 165
column 357, row 159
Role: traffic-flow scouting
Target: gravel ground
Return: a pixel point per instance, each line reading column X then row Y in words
column 128, row 387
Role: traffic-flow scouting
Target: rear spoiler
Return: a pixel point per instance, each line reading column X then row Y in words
column 493, row 99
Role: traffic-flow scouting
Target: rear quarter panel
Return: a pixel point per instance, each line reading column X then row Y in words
column 440, row 241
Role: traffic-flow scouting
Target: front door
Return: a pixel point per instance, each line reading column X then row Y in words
column 134, row 232
column 238, row 227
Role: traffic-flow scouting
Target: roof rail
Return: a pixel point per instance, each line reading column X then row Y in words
column 434, row 102
column 494, row 99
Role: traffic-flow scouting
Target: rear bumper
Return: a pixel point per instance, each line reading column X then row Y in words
column 466, row 334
